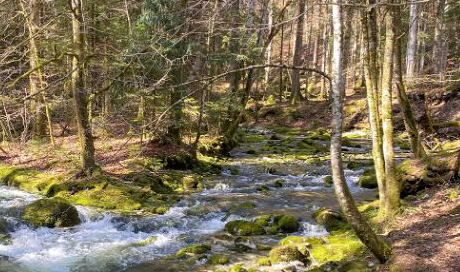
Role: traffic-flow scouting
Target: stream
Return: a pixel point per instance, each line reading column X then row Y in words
column 111, row 242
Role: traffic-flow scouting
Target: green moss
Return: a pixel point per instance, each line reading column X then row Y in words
column 288, row 223
column 339, row 246
column 191, row 182
column 244, row 228
column 192, row 250
column 368, row 179
column 453, row 194
column 264, row 261
column 263, row 220
column 263, row 247
column 148, row 241
column 238, row 268
column 328, row 181
column 330, row 219
column 217, row 259
column 101, row 191
column 285, row 254
column 255, row 138
column 53, row 212
column 278, row 183
column 302, row 243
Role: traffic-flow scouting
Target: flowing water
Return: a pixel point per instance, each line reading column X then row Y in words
column 111, row 242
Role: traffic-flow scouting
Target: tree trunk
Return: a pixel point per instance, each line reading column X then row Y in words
column 35, row 78
column 376, row 245
column 391, row 183
column 438, row 60
column 412, row 41
column 403, row 100
column 270, row 45
column 369, row 53
column 297, row 58
column 233, row 78
column 79, row 93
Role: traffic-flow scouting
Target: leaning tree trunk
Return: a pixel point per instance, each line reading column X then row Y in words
column 297, row 58
column 391, row 183
column 403, row 100
column 369, row 54
column 79, row 93
column 376, row 245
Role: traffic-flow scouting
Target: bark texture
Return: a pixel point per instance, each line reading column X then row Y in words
column 375, row 244
column 80, row 95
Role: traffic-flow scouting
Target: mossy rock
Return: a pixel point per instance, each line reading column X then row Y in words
column 330, row 219
column 328, row 182
column 302, row 243
column 263, row 247
column 264, row 261
column 218, row 259
column 148, row 241
column 288, row 224
column 192, row 250
column 182, row 161
column 286, row 254
column 263, row 189
column 263, row 220
column 278, row 183
column 51, row 212
column 368, row 179
column 5, row 238
column 238, row 268
column 191, row 182
column 244, row 228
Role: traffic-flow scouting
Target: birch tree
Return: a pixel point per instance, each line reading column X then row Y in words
column 375, row 244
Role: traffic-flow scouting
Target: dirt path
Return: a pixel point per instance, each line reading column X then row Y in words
column 427, row 237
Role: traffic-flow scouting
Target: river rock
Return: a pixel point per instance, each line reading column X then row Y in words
column 288, row 224
column 51, row 212
column 330, row 219
column 193, row 250
column 287, row 254
column 368, row 179
column 244, row 228
column 218, row 259
column 278, row 223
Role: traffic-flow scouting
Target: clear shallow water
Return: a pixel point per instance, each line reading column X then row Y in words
column 110, row 242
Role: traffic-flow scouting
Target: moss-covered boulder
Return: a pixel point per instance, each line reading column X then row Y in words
column 263, row 220
column 244, row 228
column 190, row 182
column 278, row 223
column 288, row 224
column 51, row 212
column 286, row 254
column 330, row 219
column 418, row 174
column 192, row 250
column 368, row 179
column 264, row 261
column 218, row 259
column 238, row 268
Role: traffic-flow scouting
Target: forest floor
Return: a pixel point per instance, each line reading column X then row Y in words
column 427, row 236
